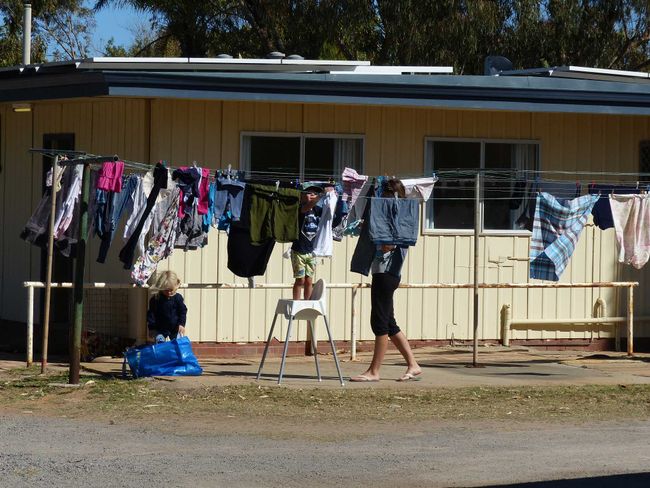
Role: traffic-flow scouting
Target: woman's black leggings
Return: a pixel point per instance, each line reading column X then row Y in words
column 382, row 313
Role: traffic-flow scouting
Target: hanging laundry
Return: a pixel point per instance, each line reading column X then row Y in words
column 204, row 189
column 245, row 259
column 59, row 175
column 110, row 176
column 323, row 241
column 357, row 210
column 556, row 230
column 188, row 180
column 419, row 187
column 273, row 214
column 161, row 244
column 64, row 217
column 160, row 181
column 365, row 250
column 190, row 230
column 602, row 211
column 352, row 184
column 37, row 228
column 122, row 202
column 229, row 195
column 631, row 216
column 563, row 190
column 340, row 221
column 394, row 221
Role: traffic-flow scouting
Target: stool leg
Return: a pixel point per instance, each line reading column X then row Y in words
column 336, row 359
column 284, row 352
column 266, row 348
column 314, row 348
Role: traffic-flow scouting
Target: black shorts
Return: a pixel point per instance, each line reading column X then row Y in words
column 382, row 313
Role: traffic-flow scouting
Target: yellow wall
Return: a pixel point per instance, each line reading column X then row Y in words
column 209, row 132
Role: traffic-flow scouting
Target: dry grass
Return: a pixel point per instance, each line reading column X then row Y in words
column 102, row 398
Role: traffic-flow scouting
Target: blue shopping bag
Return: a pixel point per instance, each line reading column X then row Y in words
column 173, row 358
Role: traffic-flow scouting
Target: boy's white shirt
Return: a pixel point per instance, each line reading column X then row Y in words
column 323, row 241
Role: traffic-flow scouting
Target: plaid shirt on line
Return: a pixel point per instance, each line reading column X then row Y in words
column 556, row 231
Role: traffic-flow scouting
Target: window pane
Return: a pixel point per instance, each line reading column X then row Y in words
column 506, row 195
column 326, row 157
column 272, row 155
column 451, row 205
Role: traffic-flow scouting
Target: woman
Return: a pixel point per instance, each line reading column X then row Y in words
column 386, row 272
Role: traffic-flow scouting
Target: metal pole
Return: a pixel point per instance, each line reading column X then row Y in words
column 353, row 325
column 27, row 34
column 30, row 325
column 630, row 321
column 477, row 228
column 80, row 264
column 50, row 260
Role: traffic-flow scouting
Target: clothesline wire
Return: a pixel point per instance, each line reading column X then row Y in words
column 449, row 175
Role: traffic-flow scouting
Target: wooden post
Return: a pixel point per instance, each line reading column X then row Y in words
column 80, row 265
column 50, row 261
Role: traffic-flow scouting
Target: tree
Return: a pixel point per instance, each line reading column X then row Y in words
column 460, row 33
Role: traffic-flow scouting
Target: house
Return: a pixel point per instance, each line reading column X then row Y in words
column 306, row 117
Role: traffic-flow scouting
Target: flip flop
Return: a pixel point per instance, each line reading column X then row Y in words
column 362, row 379
column 410, row 377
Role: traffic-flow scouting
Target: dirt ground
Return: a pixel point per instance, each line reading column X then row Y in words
column 227, row 430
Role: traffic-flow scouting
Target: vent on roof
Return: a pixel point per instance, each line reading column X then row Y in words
column 495, row 64
column 295, row 56
column 644, row 159
column 275, row 55
column 224, row 56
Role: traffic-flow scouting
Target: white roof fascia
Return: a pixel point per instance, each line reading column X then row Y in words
column 399, row 70
column 603, row 71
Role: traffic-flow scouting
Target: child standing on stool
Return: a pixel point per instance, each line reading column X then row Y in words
column 303, row 261
column 167, row 311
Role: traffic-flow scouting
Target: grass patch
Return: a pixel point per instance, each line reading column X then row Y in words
column 134, row 399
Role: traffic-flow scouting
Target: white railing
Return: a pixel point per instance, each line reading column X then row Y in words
column 354, row 287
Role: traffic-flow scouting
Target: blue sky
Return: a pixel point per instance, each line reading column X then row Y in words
column 115, row 23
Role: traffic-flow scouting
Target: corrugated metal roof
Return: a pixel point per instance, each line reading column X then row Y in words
column 305, row 81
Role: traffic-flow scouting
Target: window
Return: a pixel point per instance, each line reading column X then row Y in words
column 644, row 160
column 300, row 155
column 452, row 204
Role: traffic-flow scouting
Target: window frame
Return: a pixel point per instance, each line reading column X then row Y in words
column 245, row 166
column 483, row 231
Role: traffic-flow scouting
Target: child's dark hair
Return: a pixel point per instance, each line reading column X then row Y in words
column 393, row 187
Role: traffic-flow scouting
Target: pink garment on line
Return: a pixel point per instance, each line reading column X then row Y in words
column 631, row 216
column 110, row 176
column 204, row 190
column 352, row 184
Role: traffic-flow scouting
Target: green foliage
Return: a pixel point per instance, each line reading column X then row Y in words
column 63, row 26
column 460, row 33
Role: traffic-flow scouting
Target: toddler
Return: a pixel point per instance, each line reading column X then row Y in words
column 167, row 311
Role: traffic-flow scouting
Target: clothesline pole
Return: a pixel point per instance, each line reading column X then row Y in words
column 50, row 260
column 80, row 265
column 477, row 229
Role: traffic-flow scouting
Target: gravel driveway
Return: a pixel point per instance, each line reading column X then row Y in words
column 40, row 451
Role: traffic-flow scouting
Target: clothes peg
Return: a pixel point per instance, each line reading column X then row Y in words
column 277, row 185
column 637, row 185
column 229, row 169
